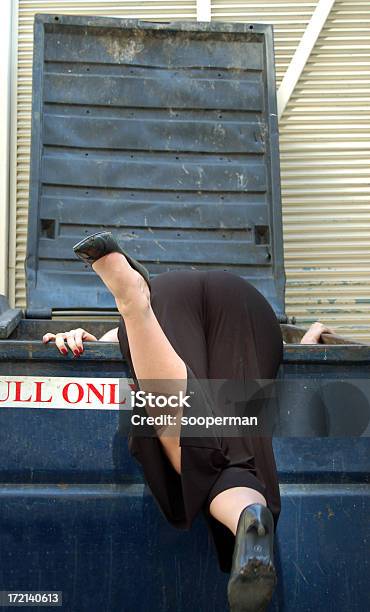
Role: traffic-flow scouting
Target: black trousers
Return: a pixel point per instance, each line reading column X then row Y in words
column 223, row 328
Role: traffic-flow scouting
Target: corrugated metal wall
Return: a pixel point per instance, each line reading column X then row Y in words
column 324, row 145
column 325, row 161
column 325, row 164
column 288, row 18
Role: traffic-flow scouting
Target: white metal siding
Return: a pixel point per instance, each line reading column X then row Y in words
column 288, row 18
column 325, row 161
column 325, row 165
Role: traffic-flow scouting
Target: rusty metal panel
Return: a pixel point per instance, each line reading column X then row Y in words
column 164, row 133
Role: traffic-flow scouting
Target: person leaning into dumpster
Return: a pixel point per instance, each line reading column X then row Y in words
column 176, row 328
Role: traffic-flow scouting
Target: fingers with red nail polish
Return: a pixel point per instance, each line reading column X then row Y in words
column 72, row 340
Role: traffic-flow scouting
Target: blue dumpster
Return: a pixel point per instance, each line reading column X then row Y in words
column 167, row 134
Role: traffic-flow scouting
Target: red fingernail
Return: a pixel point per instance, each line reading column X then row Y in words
column 64, row 351
column 81, row 350
column 76, row 352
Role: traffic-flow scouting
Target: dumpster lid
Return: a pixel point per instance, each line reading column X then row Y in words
column 164, row 133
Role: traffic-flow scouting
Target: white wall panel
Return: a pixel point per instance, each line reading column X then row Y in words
column 325, row 160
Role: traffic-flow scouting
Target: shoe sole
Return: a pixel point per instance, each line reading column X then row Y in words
column 87, row 238
column 132, row 261
column 251, row 590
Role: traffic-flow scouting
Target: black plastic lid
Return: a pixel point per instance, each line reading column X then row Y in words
column 165, row 134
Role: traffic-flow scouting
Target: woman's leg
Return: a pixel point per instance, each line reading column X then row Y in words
column 158, row 367
column 152, row 354
column 228, row 505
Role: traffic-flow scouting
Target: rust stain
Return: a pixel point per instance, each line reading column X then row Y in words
column 330, row 512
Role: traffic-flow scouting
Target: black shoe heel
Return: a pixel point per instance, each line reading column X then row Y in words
column 95, row 246
column 253, row 576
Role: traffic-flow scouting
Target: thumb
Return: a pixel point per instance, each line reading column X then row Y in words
column 89, row 337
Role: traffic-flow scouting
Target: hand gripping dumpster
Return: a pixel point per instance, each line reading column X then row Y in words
column 165, row 134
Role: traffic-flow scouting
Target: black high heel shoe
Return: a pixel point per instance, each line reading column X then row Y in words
column 95, row 246
column 253, row 576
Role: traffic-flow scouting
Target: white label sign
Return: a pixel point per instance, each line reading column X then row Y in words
column 65, row 392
